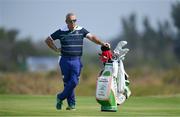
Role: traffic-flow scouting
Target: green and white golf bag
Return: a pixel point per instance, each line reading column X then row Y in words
column 111, row 88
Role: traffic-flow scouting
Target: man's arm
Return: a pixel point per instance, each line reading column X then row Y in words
column 96, row 40
column 51, row 45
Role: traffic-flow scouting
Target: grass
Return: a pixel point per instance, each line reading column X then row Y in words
column 39, row 105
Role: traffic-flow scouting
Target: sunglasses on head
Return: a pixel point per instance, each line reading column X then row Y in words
column 72, row 21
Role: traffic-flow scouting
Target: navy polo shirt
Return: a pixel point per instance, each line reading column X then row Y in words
column 71, row 41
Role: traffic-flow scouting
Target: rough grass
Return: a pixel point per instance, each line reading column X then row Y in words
column 38, row 105
column 143, row 82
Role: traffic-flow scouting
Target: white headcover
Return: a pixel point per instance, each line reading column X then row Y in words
column 119, row 51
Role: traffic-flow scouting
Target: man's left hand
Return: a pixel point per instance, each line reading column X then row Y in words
column 107, row 45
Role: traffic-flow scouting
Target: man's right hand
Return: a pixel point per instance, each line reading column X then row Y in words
column 58, row 50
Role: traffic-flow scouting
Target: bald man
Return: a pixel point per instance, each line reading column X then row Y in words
column 71, row 39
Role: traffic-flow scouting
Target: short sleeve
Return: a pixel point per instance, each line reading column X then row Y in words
column 85, row 32
column 56, row 35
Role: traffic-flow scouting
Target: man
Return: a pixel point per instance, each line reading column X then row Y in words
column 71, row 40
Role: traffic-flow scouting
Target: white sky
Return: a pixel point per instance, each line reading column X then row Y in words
column 39, row 18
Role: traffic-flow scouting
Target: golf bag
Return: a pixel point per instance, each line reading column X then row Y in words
column 112, row 85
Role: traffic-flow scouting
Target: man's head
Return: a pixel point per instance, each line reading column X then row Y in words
column 71, row 21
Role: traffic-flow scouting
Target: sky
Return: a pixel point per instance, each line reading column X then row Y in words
column 39, row 18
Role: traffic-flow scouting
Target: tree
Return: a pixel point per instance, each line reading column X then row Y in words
column 176, row 14
column 130, row 32
column 14, row 51
column 7, row 42
column 176, row 18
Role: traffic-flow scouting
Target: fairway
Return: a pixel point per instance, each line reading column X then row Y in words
column 28, row 105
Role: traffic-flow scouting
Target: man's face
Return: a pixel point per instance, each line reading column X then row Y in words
column 71, row 22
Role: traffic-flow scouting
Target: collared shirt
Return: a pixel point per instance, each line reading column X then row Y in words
column 71, row 41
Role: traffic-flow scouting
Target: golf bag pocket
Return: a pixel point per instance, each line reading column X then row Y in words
column 103, row 87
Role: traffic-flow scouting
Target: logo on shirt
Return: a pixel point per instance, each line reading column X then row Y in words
column 76, row 32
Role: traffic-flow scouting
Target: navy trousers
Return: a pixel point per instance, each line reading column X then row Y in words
column 70, row 69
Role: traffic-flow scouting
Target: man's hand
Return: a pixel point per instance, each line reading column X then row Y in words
column 58, row 50
column 51, row 45
column 107, row 45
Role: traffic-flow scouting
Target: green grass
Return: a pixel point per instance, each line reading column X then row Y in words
column 33, row 105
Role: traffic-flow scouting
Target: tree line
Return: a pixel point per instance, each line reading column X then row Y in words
column 14, row 51
column 158, row 47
